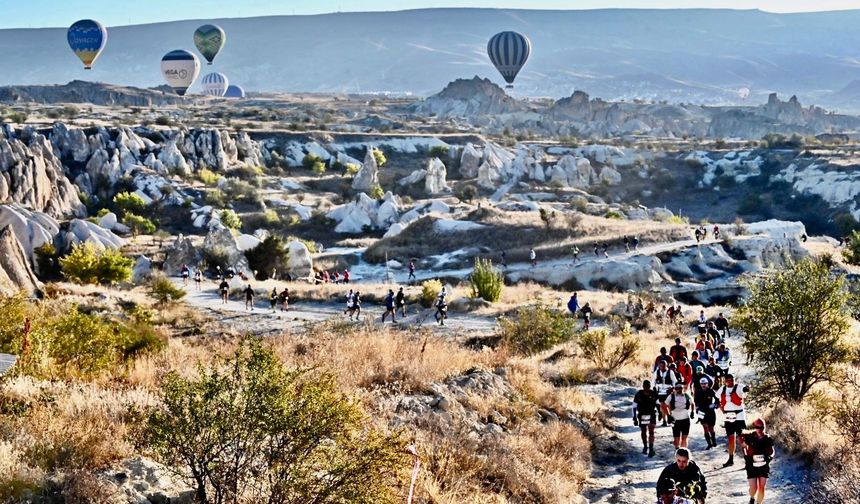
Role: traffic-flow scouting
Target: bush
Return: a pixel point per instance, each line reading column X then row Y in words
column 249, row 420
column 163, row 120
column 208, row 177
column 318, row 168
column 795, row 321
column 535, row 329
column 216, row 198
column 128, row 203
column 851, row 253
column 430, row 290
column 240, row 190
column 230, row 219
column 487, row 282
column 376, row 192
column 47, row 261
column 310, row 160
column 609, row 358
column 86, row 265
column 612, row 214
column 379, row 156
column 467, row 193
column 268, row 258
column 352, row 168
column 162, row 290
column 439, row 151
column 138, row 224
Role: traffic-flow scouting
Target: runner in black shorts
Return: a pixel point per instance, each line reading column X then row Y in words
column 758, row 453
column 731, row 397
column 681, row 409
column 645, row 416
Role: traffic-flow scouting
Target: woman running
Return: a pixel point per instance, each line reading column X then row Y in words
column 758, row 453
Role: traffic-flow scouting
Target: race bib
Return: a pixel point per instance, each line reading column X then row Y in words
column 645, row 418
column 759, row 461
column 731, row 416
column 701, row 415
column 663, row 388
column 723, row 364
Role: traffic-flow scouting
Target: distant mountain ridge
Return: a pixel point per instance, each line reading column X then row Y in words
column 96, row 93
column 703, row 56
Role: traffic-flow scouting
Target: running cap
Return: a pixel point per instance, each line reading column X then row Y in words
column 666, row 486
column 759, row 424
column 703, row 380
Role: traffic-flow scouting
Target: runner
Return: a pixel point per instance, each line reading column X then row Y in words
column 626, row 244
column 635, row 243
column 400, row 303
column 670, row 312
column 687, row 476
column 680, row 406
column 533, row 257
column 758, row 454
column 645, row 416
column 596, row 250
column 284, row 299
column 573, row 305
column 273, row 299
column 724, row 358
column 389, row 306
column 704, row 347
column 606, row 250
column 702, row 318
column 715, row 372
column 355, row 306
column 411, row 271
column 714, row 336
column 663, row 357
column 185, row 272
column 678, row 350
column 349, row 297
column 685, row 371
column 504, row 259
column 198, row 278
column 706, row 402
column 722, row 325
column 716, row 232
column 697, row 365
column 574, row 251
column 586, row 315
column 249, row 298
column 664, row 381
column 731, row 397
column 667, row 493
column 441, row 308
column 224, row 289
column 346, row 276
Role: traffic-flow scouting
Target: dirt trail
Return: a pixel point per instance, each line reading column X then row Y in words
column 625, row 476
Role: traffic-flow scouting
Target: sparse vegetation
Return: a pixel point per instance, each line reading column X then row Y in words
column 86, row 265
column 486, row 281
column 128, row 203
column 269, row 258
column 230, row 219
column 430, row 290
column 535, row 329
column 380, row 158
column 609, row 353
column 162, row 290
column 138, row 224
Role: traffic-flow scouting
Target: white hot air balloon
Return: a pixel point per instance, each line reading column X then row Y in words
column 180, row 69
column 744, row 93
column 215, row 84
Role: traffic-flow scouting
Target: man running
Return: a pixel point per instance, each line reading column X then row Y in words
column 273, row 299
column 635, row 243
column 723, row 357
column 705, row 400
column 664, row 380
column 716, row 232
column 722, row 324
column 586, row 316
column 687, row 476
column 662, row 357
column 198, row 278
column 685, row 371
column 349, row 297
column 678, row 350
column 441, row 308
column 400, row 303
column 626, row 244
column 533, row 257
column 758, row 453
column 696, row 364
column 680, row 406
column 731, row 397
column 284, row 299
column 355, row 306
column 715, row 372
column 389, row 306
column 573, row 305
column 411, row 271
column 667, row 493
column 249, row 298
column 185, row 272
column 606, row 250
column 224, row 289
column 645, row 416
column 346, row 276
column 574, row 251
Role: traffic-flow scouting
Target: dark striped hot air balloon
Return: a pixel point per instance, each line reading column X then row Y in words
column 509, row 52
column 210, row 39
column 215, row 84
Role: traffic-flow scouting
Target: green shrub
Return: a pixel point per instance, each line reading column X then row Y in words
column 380, row 158
column 851, row 253
column 535, row 329
column 241, row 190
column 162, row 290
column 430, row 290
column 47, row 261
column 310, row 160
column 612, row 214
column 678, row 220
column 295, row 431
column 208, row 177
column 318, row 168
column 486, row 281
column 608, row 357
column 376, row 192
column 230, row 219
column 467, row 193
column 439, row 151
column 352, row 168
column 128, row 203
column 138, row 224
column 216, row 198
column 268, row 258
column 86, row 265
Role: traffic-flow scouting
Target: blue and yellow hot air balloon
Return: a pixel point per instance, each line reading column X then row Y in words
column 87, row 38
column 509, row 52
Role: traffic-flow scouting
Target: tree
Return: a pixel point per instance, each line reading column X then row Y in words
column 467, row 193
column 269, row 257
column 86, row 265
column 487, row 282
column 248, row 428
column 163, row 291
column 128, row 203
column 845, row 223
column 535, row 329
column 795, row 321
column 138, row 224
column 230, row 219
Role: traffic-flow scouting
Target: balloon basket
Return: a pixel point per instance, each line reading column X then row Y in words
column 509, row 86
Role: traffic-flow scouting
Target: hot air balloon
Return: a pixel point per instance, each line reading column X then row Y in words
column 215, row 84
column 210, row 39
column 180, row 69
column 87, row 38
column 234, row 91
column 509, row 52
column 744, row 93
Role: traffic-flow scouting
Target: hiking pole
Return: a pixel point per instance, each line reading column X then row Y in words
column 414, row 452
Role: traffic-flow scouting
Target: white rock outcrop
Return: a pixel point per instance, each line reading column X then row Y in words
column 368, row 175
column 436, row 180
column 300, row 264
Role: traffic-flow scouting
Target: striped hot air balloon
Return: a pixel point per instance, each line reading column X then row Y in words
column 180, row 69
column 215, row 84
column 210, row 39
column 87, row 38
column 234, row 91
column 509, row 52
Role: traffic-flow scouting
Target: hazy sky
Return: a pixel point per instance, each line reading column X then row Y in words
column 40, row 13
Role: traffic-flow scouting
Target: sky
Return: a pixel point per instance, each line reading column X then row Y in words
column 42, row 13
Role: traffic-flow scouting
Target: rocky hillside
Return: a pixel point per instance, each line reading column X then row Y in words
column 474, row 97
column 96, row 93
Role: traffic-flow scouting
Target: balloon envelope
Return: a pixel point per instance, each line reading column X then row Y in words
column 744, row 93
column 180, row 69
column 210, row 39
column 215, row 84
column 234, row 91
column 87, row 38
column 509, row 52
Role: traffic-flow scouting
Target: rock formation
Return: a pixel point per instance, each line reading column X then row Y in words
column 16, row 273
column 436, row 180
column 299, row 264
column 368, row 175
